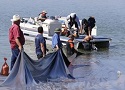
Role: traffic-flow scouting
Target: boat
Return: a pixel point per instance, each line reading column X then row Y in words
column 29, row 27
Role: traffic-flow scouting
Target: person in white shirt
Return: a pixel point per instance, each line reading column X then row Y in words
column 71, row 20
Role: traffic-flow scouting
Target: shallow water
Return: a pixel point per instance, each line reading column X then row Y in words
column 95, row 70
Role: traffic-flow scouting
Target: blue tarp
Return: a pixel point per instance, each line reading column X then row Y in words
column 27, row 72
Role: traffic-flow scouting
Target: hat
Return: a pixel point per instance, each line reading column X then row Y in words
column 73, row 15
column 57, row 30
column 16, row 17
column 44, row 11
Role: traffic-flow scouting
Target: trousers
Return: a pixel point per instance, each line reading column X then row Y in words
column 14, row 56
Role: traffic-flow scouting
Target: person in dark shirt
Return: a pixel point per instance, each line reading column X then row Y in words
column 91, row 24
column 84, row 26
column 40, row 44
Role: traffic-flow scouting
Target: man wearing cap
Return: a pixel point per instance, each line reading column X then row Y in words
column 42, row 16
column 16, row 39
column 72, row 19
column 56, row 43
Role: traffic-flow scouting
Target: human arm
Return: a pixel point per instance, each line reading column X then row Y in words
column 19, row 44
column 19, row 37
column 78, row 22
column 57, row 47
column 43, row 49
column 89, row 31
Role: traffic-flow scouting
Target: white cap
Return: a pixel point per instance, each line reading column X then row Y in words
column 44, row 11
column 16, row 17
column 72, row 15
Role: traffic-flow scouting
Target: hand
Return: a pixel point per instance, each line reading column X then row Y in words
column 57, row 48
column 20, row 48
column 44, row 55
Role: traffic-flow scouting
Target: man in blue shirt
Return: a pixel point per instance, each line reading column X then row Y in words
column 40, row 44
column 56, row 43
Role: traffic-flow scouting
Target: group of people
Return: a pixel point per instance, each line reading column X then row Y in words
column 73, row 20
column 86, row 25
column 17, row 40
column 40, row 42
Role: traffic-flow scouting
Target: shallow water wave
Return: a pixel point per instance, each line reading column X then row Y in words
column 117, row 84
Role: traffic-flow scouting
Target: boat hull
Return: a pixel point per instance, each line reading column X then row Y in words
column 30, row 31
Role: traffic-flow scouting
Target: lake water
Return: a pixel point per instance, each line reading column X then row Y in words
column 101, row 73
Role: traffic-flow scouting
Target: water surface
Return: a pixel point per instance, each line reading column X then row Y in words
column 101, row 73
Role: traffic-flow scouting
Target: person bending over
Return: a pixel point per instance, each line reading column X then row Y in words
column 91, row 24
column 84, row 26
column 73, row 19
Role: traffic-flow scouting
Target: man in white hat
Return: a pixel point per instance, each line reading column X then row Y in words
column 16, row 38
column 42, row 16
column 73, row 19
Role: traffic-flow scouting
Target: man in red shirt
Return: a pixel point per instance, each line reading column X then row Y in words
column 16, row 39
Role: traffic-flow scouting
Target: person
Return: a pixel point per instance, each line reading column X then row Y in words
column 56, row 43
column 42, row 16
column 91, row 24
column 16, row 39
column 84, row 26
column 70, row 45
column 73, row 19
column 40, row 43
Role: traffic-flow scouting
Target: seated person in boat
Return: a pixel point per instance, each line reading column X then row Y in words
column 56, row 43
column 40, row 44
column 71, row 20
column 84, row 26
column 70, row 45
column 42, row 16
column 91, row 24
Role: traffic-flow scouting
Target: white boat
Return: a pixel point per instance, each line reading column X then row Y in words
column 29, row 27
